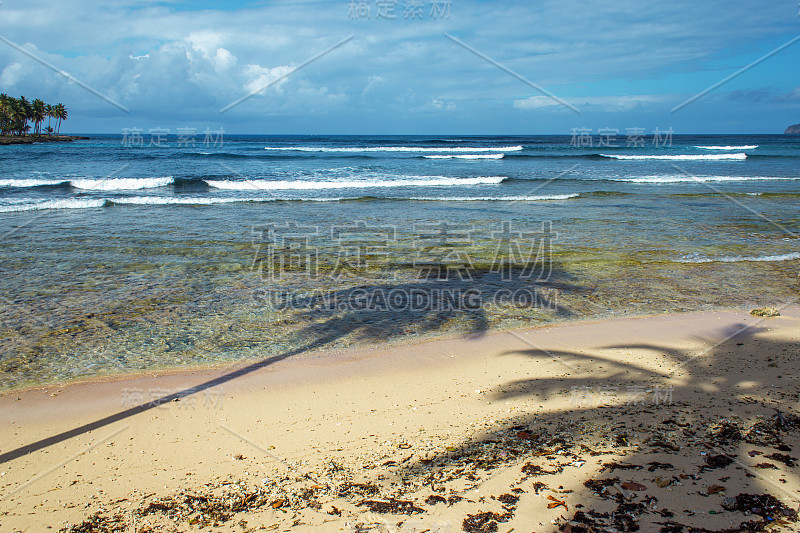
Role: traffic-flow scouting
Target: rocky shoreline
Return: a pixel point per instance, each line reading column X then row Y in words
column 30, row 139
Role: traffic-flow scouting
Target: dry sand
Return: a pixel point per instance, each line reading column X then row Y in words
column 667, row 418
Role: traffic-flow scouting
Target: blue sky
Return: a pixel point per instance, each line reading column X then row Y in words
column 622, row 64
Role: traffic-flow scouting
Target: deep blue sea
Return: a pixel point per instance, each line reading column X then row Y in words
column 122, row 256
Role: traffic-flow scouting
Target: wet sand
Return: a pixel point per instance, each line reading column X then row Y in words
column 657, row 422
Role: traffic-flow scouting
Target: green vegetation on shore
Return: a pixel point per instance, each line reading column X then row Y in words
column 17, row 114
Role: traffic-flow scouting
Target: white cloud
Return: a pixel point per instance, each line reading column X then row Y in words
column 443, row 105
column 596, row 103
column 157, row 59
column 10, row 75
column 261, row 77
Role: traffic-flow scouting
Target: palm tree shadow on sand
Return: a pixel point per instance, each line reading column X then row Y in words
column 702, row 445
column 357, row 312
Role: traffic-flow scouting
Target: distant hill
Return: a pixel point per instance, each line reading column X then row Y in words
column 793, row 129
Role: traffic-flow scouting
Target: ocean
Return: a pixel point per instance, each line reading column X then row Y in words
column 121, row 256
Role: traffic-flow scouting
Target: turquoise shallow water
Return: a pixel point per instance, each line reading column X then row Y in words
column 118, row 258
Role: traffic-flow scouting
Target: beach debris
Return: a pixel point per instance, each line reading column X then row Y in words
column 660, row 441
column 600, row 486
column 433, row 499
column 764, row 505
column 716, row 461
column 99, row 523
column 349, row 489
column 555, row 502
column 631, row 485
column 765, row 312
column 617, row 466
column 508, row 499
column 662, row 482
column 782, row 458
column 536, row 470
column 723, row 432
column 277, row 504
column 392, row 506
column 769, row 432
column 655, row 465
column 766, row 466
column 624, row 517
column 483, row 522
column 715, row 489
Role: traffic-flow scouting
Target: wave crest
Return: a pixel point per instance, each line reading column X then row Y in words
column 120, row 184
column 348, row 149
column 422, row 181
column 687, row 157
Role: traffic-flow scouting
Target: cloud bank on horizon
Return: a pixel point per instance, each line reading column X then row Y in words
column 622, row 64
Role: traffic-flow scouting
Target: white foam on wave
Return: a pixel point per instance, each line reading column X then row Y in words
column 682, row 178
column 65, row 203
column 120, row 184
column 495, row 198
column 687, row 157
column 422, row 181
column 470, row 156
column 29, row 182
column 745, row 147
column 165, row 200
column 741, row 258
column 397, row 148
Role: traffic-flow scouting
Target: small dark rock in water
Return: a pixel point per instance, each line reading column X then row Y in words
column 765, row 312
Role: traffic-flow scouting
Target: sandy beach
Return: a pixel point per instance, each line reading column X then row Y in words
column 658, row 423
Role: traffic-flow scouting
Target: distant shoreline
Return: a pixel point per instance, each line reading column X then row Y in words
column 30, row 139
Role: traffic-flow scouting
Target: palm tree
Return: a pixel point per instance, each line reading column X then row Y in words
column 60, row 114
column 24, row 114
column 48, row 110
column 37, row 115
column 5, row 113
